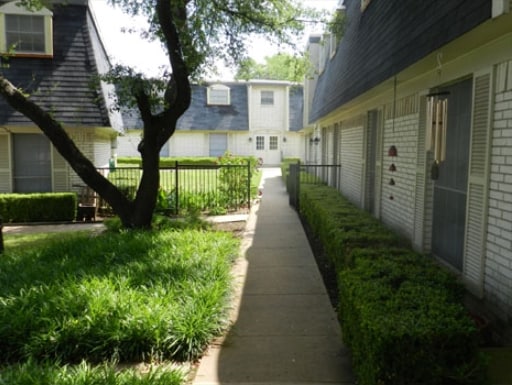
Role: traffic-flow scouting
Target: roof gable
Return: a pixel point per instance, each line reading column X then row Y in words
column 63, row 84
column 202, row 116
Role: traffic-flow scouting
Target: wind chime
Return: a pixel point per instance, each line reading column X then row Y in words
column 435, row 140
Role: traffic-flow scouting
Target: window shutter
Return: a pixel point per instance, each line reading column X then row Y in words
column 476, row 218
column 5, row 170
column 421, row 176
column 60, row 172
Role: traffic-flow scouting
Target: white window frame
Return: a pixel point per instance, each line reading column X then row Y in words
column 260, row 143
column 218, row 95
column 273, row 143
column 267, row 98
column 13, row 9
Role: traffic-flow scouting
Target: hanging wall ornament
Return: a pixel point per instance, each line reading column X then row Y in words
column 436, row 129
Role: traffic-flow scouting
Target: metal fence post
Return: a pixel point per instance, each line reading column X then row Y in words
column 176, row 186
column 294, row 184
column 249, row 184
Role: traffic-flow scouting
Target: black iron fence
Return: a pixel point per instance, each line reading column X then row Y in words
column 215, row 189
column 327, row 174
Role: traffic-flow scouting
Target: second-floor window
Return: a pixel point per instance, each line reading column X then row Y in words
column 267, row 98
column 218, row 95
column 25, row 33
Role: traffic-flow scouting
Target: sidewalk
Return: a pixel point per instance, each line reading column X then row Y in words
column 284, row 328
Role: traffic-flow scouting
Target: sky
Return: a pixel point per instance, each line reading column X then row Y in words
column 130, row 49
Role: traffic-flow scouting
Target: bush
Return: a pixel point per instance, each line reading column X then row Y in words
column 38, row 207
column 401, row 314
column 404, row 323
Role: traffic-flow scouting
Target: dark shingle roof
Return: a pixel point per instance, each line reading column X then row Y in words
column 201, row 116
column 234, row 117
column 386, row 38
column 61, row 84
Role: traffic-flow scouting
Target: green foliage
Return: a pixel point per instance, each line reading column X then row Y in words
column 285, row 166
column 38, row 207
column 228, row 28
column 281, row 66
column 404, row 324
column 338, row 23
column 85, row 374
column 401, row 314
column 234, row 179
column 122, row 297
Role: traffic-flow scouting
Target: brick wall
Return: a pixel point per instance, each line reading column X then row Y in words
column 498, row 268
column 398, row 200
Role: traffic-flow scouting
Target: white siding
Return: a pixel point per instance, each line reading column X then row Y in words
column 60, row 171
column 5, row 164
column 189, row 144
column 269, row 117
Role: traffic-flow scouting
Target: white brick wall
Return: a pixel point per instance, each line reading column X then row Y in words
column 398, row 212
column 498, row 267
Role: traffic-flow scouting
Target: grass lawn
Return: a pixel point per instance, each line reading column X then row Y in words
column 73, row 307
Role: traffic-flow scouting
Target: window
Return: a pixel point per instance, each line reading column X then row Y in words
column 260, row 143
column 32, row 167
column 273, row 143
column 218, row 95
column 267, row 98
column 24, row 32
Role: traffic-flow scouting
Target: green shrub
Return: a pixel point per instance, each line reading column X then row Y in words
column 38, row 207
column 402, row 318
column 401, row 314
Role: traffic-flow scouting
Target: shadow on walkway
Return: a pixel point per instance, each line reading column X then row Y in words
column 285, row 330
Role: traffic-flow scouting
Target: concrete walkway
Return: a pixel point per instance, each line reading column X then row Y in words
column 284, row 328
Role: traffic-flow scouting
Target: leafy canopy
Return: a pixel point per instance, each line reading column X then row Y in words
column 282, row 66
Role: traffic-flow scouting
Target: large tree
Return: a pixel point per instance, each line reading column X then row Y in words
column 283, row 66
column 195, row 34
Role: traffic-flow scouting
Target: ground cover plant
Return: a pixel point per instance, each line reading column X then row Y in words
column 111, row 298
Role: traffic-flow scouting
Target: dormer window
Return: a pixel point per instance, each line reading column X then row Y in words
column 218, row 95
column 24, row 32
column 267, row 98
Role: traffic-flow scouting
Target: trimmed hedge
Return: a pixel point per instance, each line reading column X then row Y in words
column 401, row 314
column 38, row 207
column 168, row 161
column 189, row 161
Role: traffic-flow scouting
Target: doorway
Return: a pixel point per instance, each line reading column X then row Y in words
column 450, row 187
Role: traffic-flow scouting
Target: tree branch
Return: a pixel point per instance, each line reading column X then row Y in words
column 61, row 140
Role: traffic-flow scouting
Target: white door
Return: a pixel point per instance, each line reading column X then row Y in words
column 268, row 149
